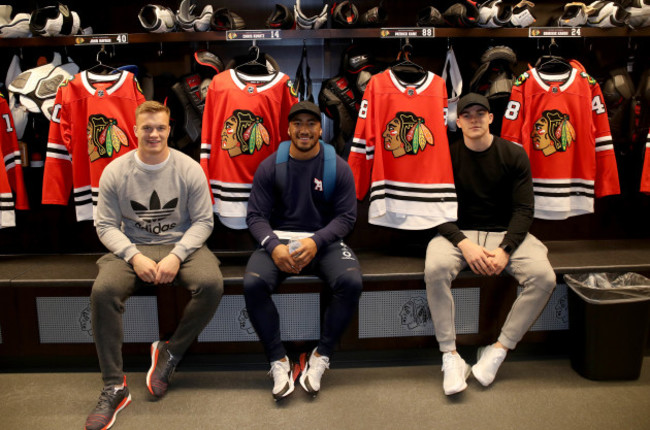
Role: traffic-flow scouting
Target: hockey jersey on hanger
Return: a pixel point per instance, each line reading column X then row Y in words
column 92, row 124
column 400, row 153
column 12, row 187
column 244, row 121
column 645, row 175
column 561, row 122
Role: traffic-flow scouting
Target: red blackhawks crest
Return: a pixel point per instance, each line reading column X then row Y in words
column 406, row 134
column 244, row 133
column 105, row 138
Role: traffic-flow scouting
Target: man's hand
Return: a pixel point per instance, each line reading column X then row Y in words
column 159, row 274
column 499, row 260
column 305, row 253
column 167, row 269
column 144, row 267
column 478, row 258
column 283, row 259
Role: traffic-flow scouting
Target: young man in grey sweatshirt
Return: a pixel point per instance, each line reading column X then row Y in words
column 154, row 215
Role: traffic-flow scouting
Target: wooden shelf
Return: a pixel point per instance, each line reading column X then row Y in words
column 182, row 37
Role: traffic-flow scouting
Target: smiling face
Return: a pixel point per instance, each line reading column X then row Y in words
column 304, row 132
column 152, row 130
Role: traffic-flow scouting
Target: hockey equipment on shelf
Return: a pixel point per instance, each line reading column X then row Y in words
column 375, row 17
column 281, row 18
column 494, row 14
column 462, row 14
column 313, row 22
column 344, row 14
column 54, row 21
column 18, row 26
column 157, row 19
column 224, row 19
column 188, row 21
column 430, row 17
column 574, row 15
column 522, row 14
column 607, row 14
column 37, row 87
column 639, row 13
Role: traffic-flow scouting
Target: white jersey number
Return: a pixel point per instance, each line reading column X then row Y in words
column 8, row 121
column 512, row 111
column 597, row 105
column 56, row 112
column 363, row 110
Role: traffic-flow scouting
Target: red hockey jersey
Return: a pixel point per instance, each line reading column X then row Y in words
column 561, row 122
column 92, row 124
column 645, row 176
column 12, row 188
column 244, row 121
column 400, row 152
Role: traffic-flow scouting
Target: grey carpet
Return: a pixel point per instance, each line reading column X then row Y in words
column 528, row 394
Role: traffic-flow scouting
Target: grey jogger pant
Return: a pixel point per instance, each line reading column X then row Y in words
column 117, row 281
column 528, row 264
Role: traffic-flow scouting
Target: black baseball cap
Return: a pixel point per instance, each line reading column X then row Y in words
column 472, row 99
column 304, row 107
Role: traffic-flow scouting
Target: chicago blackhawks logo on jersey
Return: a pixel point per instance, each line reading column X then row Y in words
column 553, row 132
column 406, row 134
column 243, row 133
column 105, row 138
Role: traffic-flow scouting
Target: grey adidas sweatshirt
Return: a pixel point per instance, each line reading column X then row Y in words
column 168, row 203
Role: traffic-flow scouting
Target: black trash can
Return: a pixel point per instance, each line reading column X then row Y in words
column 608, row 324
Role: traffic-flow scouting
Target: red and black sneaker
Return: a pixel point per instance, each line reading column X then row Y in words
column 163, row 364
column 111, row 402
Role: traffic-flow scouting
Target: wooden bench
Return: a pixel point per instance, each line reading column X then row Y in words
column 26, row 279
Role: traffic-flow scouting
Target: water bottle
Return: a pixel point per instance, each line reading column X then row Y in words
column 293, row 245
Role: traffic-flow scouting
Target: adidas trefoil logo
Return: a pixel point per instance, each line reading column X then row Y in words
column 154, row 214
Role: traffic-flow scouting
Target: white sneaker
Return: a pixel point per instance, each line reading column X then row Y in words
column 282, row 375
column 313, row 367
column 489, row 360
column 456, row 372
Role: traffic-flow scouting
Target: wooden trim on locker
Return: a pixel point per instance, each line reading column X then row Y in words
column 136, row 38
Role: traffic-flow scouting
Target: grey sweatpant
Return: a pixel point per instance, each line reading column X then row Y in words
column 529, row 265
column 117, row 281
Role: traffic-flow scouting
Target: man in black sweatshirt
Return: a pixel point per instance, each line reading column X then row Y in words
column 495, row 210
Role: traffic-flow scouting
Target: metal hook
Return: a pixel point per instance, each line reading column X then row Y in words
column 160, row 51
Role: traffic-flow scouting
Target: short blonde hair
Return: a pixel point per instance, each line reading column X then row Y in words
column 151, row 106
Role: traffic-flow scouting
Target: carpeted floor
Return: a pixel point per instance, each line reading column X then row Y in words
column 528, row 394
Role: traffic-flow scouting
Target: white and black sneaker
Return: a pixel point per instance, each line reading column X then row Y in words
column 283, row 381
column 313, row 366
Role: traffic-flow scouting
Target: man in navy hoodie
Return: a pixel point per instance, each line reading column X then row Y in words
column 307, row 198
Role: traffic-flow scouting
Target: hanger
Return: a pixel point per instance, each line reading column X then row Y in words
column 552, row 63
column 101, row 68
column 406, row 70
column 256, row 64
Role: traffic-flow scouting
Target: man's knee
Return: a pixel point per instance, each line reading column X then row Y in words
column 349, row 283
column 255, row 285
column 436, row 268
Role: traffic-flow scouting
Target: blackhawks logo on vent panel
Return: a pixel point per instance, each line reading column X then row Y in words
column 244, row 133
column 406, row 134
column 105, row 137
column 553, row 132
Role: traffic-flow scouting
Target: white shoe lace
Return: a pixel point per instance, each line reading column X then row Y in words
column 318, row 366
column 279, row 372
